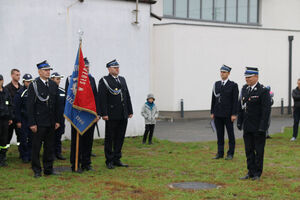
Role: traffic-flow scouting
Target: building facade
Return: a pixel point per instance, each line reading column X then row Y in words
column 35, row 30
column 195, row 37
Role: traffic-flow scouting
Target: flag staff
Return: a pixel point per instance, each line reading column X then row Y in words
column 80, row 33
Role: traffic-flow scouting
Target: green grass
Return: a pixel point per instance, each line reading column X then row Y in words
column 153, row 167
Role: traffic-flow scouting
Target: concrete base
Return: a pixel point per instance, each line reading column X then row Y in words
column 193, row 185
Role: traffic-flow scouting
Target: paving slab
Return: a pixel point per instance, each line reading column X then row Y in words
column 200, row 129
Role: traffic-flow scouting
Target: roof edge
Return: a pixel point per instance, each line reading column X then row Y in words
column 142, row 1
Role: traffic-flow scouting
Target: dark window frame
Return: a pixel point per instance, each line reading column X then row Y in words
column 257, row 23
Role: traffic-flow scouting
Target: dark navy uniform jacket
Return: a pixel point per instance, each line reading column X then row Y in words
column 20, row 102
column 227, row 103
column 6, row 108
column 44, row 114
column 112, row 105
column 254, row 109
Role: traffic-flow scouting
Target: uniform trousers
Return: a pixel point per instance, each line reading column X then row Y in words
column 254, row 148
column 220, row 123
column 85, row 147
column 45, row 136
column 114, row 138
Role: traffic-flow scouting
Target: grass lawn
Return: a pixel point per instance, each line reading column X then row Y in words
column 153, row 167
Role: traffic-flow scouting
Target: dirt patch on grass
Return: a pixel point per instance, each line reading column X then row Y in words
column 117, row 189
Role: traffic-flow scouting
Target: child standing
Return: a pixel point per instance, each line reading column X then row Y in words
column 150, row 113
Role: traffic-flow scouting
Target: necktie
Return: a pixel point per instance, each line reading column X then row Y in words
column 249, row 89
column 46, row 83
column 118, row 80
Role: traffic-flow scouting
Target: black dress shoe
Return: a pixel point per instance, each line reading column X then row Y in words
column 246, row 177
column 255, row 178
column 60, row 157
column 25, row 160
column 229, row 157
column 87, row 168
column 52, row 173
column 120, row 164
column 218, row 156
column 110, row 165
column 93, row 155
column 37, row 175
column 3, row 164
column 79, row 170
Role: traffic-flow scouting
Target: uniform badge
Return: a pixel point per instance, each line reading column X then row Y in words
column 116, row 91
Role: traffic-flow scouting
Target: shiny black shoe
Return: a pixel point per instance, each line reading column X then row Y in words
column 218, row 156
column 120, row 164
column 60, row 157
column 246, row 177
column 52, row 173
column 25, row 160
column 255, row 178
column 87, row 168
column 37, row 175
column 79, row 170
column 3, row 164
column 229, row 157
column 93, row 155
column 110, row 165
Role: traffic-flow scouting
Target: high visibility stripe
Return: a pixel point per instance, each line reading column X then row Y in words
column 5, row 147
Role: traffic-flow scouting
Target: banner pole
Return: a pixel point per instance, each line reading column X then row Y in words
column 77, row 150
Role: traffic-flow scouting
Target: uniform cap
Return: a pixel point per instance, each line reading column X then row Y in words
column 43, row 65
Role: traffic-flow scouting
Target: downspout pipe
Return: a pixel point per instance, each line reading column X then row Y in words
column 291, row 38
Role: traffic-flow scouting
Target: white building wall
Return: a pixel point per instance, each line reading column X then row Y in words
column 34, row 30
column 193, row 54
column 280, row 14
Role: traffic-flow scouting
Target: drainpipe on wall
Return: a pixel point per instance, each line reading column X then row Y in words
column 291, row 38
column 136, row 11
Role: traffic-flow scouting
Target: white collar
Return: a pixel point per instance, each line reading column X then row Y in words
column 253, row 86
column 115, row 76
column 222, row 81
column 44, row 81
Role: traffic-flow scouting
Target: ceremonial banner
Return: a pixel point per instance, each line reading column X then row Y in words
column 80, row 107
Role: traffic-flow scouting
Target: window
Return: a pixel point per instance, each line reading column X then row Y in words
column 219, row 10
column 242, row 11
column 207, row 9
column 194, row 9
column 181, row 8
column 168, row 7
column 231, row 11
column 253, row 11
